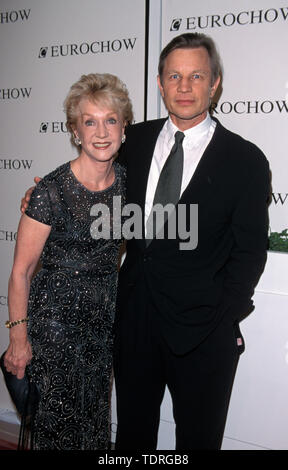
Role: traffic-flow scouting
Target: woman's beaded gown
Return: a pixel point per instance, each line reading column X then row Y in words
column 71, row 310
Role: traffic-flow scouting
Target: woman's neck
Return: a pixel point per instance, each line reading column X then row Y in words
column 94, row 175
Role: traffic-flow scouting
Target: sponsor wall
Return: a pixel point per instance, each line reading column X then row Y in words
column 46, row 46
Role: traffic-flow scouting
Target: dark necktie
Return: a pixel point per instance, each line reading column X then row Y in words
column 169, row 184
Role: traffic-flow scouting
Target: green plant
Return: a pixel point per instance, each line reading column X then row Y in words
column 278, row 241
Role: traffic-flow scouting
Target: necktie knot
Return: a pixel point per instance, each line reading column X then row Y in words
column 179, row 136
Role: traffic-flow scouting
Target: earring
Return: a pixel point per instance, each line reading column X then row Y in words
column 123, row 138
column 77, row 141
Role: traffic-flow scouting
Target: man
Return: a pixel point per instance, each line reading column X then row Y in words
column 178, row 313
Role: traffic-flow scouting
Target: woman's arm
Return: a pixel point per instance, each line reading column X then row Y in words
column 31, row 239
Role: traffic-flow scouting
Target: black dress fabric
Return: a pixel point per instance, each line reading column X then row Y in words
column 71, row 310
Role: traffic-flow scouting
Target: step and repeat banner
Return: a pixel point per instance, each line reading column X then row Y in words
column 251, row 36
column 45, row 46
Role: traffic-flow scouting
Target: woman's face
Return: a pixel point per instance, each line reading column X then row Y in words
column 100, row 130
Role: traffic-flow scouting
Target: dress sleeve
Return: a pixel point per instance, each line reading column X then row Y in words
column 39, row 205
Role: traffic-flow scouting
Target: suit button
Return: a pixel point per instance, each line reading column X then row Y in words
column 147, row 258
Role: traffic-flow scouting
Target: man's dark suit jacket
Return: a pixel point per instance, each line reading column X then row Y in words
column 191, row 291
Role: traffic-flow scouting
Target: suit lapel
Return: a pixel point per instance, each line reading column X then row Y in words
column 141, row 167
column 202, row 181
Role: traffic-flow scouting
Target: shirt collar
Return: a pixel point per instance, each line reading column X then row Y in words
column 192, row 135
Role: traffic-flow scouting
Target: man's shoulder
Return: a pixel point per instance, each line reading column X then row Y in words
column 238, row 147
column 145, row 126
column 139, row 136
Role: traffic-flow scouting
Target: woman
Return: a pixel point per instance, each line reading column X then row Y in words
column 61, row 324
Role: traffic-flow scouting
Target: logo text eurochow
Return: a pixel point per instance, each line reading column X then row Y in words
column 95, row 47
column 250, row 107
column 242, row 18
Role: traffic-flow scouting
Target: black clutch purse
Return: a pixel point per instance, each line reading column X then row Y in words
column 24, row 393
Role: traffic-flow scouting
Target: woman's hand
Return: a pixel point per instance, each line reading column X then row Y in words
column 18, row 355
column 25, row 200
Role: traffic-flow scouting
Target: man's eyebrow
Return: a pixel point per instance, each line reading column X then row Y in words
column 206, row 72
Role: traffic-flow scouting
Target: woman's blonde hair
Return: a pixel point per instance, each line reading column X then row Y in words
column 101, row 88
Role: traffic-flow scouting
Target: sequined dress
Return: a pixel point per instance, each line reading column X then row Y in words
column 71, row 309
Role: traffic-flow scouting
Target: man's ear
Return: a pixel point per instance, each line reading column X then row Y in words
column 160, row 86
column 214, row 87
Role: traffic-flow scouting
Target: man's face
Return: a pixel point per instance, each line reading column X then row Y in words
column 186, row 86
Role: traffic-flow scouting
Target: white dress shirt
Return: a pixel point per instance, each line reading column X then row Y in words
column 194, row 144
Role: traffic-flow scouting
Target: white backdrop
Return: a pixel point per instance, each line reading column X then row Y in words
column 46, row 46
